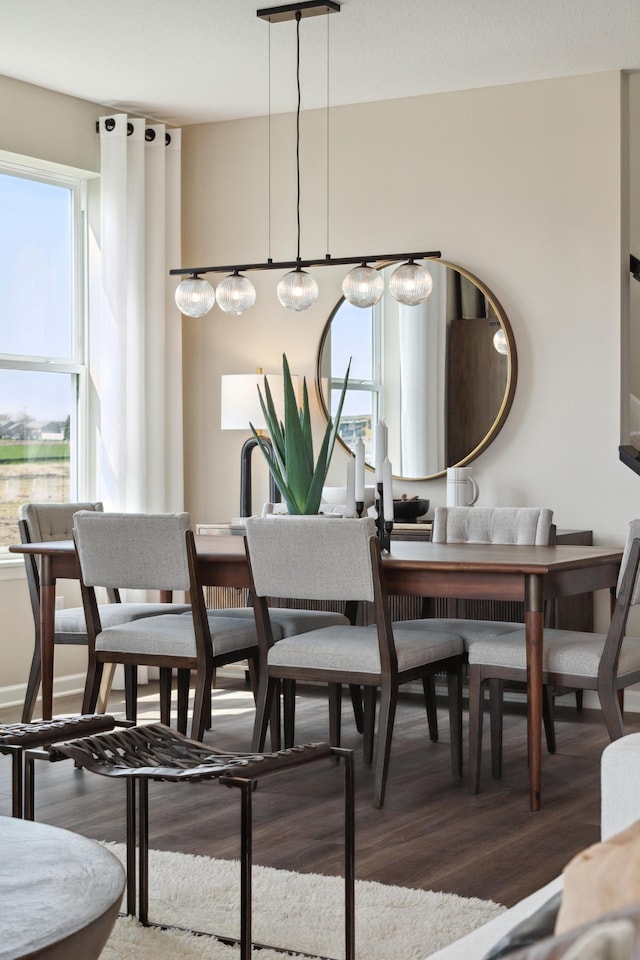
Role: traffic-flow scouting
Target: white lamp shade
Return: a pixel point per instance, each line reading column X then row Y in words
column 236, row 294
column 410, row 283
column 195, row 297
column 297, row 290
column 240, row 403
column 363, row 286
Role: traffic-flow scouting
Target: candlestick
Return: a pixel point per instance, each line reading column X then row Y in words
column 359, row 472
column 381, row 448
column 387, row 486
column 350, row 506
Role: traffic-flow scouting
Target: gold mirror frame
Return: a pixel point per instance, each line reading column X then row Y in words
column 509, row 392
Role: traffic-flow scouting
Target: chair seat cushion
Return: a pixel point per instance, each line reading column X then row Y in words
column 173, row 635
column 289, row 620
column 563, row 651
column 469, row 630
column 355, row 649
column 72, row 620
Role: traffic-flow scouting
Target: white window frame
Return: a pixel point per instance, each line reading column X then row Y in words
column 77, row 363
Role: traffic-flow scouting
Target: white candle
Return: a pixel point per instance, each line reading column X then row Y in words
column 387, row 489
column 350, row 507
column 381, row 449
column 359, row 478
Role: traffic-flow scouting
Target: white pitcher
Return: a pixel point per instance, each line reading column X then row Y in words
column 462, row 490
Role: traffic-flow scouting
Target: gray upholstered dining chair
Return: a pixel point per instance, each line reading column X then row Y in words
column 605, row 663
column 531, row 526
column 42, row 522
column 152, row 552
column 289, row 621
column 330, row 559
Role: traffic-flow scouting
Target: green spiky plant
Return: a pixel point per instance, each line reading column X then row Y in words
column 292, row 464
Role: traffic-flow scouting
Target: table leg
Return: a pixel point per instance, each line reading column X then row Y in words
column 534, row 628
column 47, row 629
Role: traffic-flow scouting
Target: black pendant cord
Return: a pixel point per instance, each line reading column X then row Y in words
column 328, row 150
column 298, row 18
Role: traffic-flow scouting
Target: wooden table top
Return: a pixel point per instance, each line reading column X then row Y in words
column 508, row 558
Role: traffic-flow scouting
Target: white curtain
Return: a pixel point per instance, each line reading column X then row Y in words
column 136, row 342
column 422, row 338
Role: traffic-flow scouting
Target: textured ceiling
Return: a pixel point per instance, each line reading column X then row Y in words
column 194, row 61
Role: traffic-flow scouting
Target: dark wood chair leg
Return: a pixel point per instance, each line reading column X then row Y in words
column 335, row 713
column 33, row 685
column 547, row 717
column 370, row 697
column 184, row 684
column 356, row 702
column 131, row 691
column 429, row 689
column 92, row 686
column 579, row 700
column 289, row 712
column 496, row 713
column 267, row 691
column 201, row 701
column 610, row 705
column 166, row 677
column 388, row 702
column 454, row 690
column 476, row 707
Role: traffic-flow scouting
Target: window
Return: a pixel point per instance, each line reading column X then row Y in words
column 42, row 371
column 357, row 328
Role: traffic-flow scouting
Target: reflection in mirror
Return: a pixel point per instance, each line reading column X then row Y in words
column 442, row 374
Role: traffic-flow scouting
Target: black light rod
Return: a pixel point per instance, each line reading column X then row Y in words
column 292, row 264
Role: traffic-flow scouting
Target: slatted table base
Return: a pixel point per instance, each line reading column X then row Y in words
column 155, row 752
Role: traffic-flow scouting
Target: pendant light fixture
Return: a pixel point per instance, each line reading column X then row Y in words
column 363, row 286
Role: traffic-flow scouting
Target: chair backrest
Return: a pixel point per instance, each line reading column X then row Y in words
column 52, row 521
column 144, row 551
column 628, row 595
column 40, row 522
column 526, row 525
column 311, row 558
column 633, row 533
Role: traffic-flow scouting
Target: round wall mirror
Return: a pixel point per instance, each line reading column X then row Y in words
column 442, row 374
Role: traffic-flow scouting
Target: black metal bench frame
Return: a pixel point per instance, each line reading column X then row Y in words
column 156, row 752
column 18, row 738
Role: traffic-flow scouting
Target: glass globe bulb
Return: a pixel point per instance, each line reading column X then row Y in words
column 195, row 297
column 410, row 283
column 500, row 341
column 297, row 290
column 235, row 294
column 363, row 286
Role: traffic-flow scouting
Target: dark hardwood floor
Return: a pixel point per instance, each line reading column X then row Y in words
column 430, row 834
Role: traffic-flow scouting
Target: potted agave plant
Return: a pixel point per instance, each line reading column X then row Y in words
column 299, row 477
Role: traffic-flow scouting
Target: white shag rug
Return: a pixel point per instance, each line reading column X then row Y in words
column 296, row 911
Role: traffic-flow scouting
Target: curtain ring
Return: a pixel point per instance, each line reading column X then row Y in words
column 149, row 135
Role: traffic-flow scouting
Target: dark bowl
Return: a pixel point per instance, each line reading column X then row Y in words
column 408, row 511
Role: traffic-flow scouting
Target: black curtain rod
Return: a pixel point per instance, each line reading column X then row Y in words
column 149, row 134
column 292, row 264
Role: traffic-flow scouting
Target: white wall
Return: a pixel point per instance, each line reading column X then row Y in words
column 520, row 184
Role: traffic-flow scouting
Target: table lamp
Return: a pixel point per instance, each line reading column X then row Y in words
column 240, row 406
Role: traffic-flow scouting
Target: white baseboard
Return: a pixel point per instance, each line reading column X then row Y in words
column 70, row 685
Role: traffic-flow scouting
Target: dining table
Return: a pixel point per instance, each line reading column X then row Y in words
column 532, row 575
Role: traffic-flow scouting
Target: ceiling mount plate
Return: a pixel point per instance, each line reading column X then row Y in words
column 308, row 8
